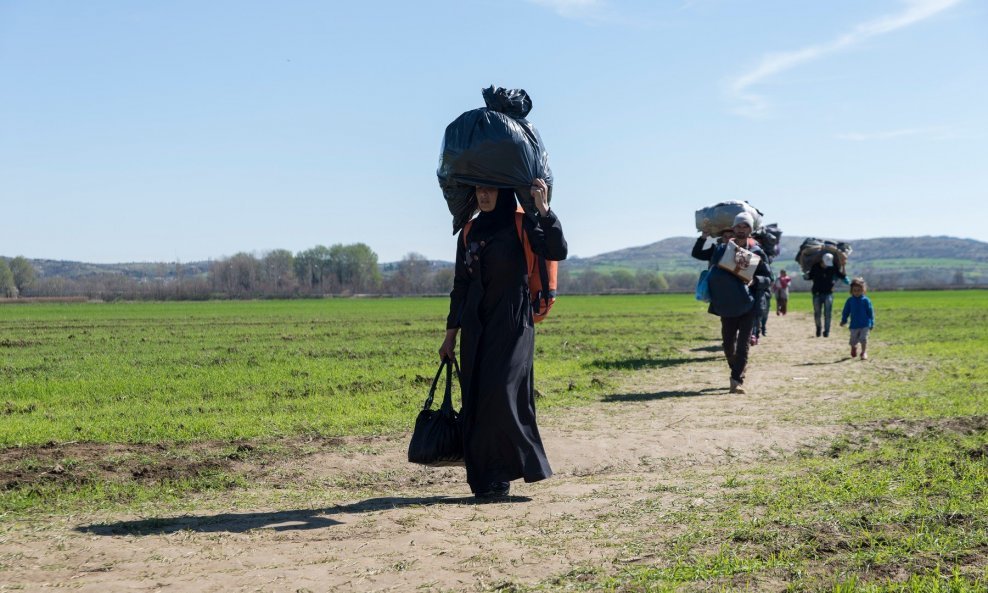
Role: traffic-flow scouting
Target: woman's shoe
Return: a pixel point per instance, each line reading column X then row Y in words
column 495, row 490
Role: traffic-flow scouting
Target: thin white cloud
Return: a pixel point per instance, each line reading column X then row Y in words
column 599, row 12
column 574, row 9
column 936, row 133
column 594, row 12
column 771, row 64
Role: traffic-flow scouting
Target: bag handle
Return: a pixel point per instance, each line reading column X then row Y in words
column 448, row 396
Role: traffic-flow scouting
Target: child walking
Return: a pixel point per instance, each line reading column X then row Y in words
column 781, row 289
column 858, row 308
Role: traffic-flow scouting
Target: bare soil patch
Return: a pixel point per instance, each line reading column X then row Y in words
column 77, row 463
column 353, row 515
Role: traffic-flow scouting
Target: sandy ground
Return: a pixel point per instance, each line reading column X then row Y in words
column 366, row 520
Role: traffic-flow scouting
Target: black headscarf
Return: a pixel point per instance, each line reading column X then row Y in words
column 488, row 223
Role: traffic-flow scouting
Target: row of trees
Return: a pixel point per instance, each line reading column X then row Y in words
column 354, row 269
column 320, row 270
column 316, row 272
column 336, row 270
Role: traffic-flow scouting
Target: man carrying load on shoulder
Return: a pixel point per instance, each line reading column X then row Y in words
column 824, row 276
column 732, row 299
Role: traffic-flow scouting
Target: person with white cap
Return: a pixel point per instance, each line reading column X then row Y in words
column 824, row 276
column 732, row 299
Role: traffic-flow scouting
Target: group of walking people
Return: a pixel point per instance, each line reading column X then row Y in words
column 743, row 305
column 490, row 312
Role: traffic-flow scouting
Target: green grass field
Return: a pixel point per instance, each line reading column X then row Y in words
column 897, row 502
column 170, row 393
column 186, row 372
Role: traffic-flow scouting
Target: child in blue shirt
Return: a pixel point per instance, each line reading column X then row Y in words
column 858, row 308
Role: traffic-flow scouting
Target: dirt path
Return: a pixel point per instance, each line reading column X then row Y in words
column 368, row 521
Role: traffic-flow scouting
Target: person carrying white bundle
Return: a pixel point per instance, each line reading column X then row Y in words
column 731, row 296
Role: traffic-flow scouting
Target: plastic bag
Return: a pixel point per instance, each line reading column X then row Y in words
column 770, row 238
column 714, row 219
column 494, row 146
column 812, row 249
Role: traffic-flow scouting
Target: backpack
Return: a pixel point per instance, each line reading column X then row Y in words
column 541, row 271
column 769, row 237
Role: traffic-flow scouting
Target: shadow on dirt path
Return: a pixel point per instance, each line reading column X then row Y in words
column 301, row 519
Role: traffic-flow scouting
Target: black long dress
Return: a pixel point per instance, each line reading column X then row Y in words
column 490, row 304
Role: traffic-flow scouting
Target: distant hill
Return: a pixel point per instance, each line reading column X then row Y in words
column 50, row 268
column 917, row 261
column 673, row 254
column 667, row 256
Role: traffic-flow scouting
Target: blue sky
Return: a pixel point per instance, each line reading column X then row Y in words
column 191, row 130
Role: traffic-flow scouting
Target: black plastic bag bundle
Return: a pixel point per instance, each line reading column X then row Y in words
column 437, row 439
column 770, row 238
column 811, row 251
column 494, row 146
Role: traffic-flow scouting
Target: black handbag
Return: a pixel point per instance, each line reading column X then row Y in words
column 438, row 439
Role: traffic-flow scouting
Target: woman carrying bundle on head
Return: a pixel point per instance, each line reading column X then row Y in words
column 490, row 306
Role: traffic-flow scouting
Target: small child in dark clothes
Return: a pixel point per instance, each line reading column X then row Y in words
column 858, row 308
